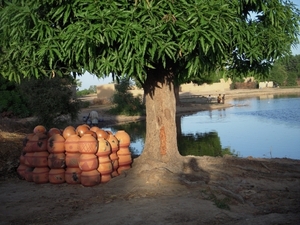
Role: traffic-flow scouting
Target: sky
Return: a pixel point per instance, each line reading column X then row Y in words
column 88, row 79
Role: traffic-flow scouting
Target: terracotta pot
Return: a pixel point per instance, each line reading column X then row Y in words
column 28, row 174
column 27, row 142
column 41, row 142
column 90, row 178
column 123, row 151
column 123, row 168
column 115, row 173
column 53, row 131
column 88, row 162
column 40, row 175
column 21, row 170
column 72, row 160
column 114, row 158
column 73, row 175
column 56, row 144
column 81, row 129
column 71, row 143
column 22, row 158
column 105, row 178
column 114, row 143
column 105, row 165
column 40, row 159
column 39, row 129
column 87, row 144
column 94, row 129
column 69, row 130
column 123, row 138
column 29, row 159
column 57, row 176
column 124, row 160
column 102, row 133
column 91, row 133
column 57, row 160
column 104, row 148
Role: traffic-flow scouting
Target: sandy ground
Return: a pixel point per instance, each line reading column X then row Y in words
column 209, row 190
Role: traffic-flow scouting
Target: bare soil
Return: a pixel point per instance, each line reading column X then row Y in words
column 208, row 190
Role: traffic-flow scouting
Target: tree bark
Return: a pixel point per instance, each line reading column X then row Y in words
column 160, row 149
column 176, row 92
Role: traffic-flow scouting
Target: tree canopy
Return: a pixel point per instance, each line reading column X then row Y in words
column 45, row 38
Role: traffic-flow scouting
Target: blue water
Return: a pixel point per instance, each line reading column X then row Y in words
column 268, row 127
column 257, row 127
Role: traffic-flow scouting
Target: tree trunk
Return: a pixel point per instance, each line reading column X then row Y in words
column 176, row 91
column 160, row 149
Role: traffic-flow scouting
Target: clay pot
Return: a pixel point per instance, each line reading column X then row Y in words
column 69, row 130
column 115, row 163
column 94, row 129
column 28, row 174
column 27, row 142
column 39, row 129
column 29, row 159
column 123, row 168
column 53, row 131
column 41, row 142
column 71, row 143
column 105, row 165
column 88, row 162
column 57, row 176
column 73, row 175
column 57, row 160
column 21, row 170
column 102, row 133
column 104, row 147
column 114, row 143
column 81, row 129
column 40, row 175
column 87, row 144
column 123, row 138
column 105, row 178
column 40, row 159
column 72, row 160
column 56, row 144
column 124, row 155
column 90, row 178
column 22, row 158
column 91, row 133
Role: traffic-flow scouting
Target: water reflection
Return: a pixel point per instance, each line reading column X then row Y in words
column 266, row 126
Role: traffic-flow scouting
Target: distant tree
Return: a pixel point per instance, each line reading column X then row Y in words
column 160, row 43
column 93, row 88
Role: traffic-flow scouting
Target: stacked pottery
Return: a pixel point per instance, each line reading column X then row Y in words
column 26, row 161
column 88, row 161
column 73, row 172
column 114, row 143
column 56, row 159
column 123, row 153
column 105, row 167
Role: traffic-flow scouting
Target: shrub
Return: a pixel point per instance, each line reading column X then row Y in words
column 12, row 103
column 51, row 100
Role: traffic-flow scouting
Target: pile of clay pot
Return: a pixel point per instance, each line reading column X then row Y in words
column 82, row 155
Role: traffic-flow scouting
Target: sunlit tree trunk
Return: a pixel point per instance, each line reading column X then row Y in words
column 161, row 137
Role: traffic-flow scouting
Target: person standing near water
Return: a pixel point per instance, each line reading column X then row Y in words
column 219, row 98
column 223, row 99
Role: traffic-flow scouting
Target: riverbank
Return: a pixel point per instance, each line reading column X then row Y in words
column 187, row 106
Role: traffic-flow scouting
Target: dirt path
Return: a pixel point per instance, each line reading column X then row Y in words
column 209, row 190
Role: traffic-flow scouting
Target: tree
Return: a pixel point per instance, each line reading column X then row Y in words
column 157, row 42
